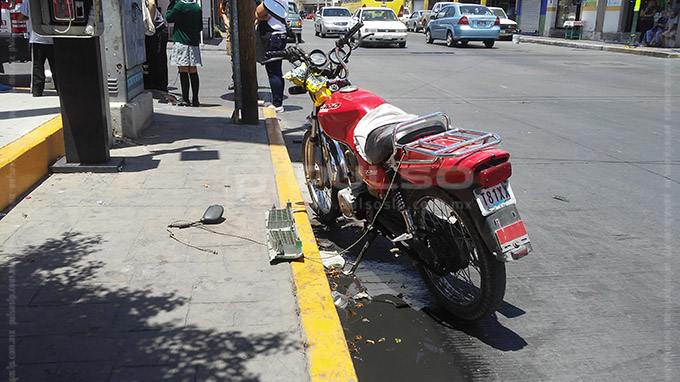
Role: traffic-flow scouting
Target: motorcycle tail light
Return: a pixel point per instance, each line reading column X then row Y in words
column 463, row 21
column 497, row 22
column 493, row 175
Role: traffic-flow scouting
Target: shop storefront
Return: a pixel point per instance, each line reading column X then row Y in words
column 567, row 10
column 529, row 14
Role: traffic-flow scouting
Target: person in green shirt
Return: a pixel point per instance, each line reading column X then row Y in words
column 186, row 55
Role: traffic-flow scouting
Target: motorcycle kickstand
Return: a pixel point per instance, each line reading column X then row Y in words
column 371, row 235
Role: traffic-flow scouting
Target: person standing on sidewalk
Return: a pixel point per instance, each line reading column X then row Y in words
column 271, row 31
column 42, row 49
column 156, row 76
column 186, row 55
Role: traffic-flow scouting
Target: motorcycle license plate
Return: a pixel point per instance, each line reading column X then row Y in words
column 491, row 199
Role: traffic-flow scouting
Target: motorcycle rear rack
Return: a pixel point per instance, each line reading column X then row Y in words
column 466, row 141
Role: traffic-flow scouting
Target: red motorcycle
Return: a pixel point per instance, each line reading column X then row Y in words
column 440, row 194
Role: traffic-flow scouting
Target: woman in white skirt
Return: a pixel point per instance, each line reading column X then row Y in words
column 186, row 55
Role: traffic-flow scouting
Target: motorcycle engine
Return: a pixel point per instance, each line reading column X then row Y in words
column 346, row 200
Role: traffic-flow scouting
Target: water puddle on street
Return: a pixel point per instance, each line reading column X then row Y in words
column 393, row 327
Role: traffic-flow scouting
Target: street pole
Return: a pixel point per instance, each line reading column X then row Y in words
column 244, row 61
column 633, row 29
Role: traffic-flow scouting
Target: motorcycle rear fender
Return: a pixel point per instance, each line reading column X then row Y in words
column 486, row 167
column 503, row 231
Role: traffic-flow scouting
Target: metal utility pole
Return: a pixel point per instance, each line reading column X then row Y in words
column 243, row 60
column 633, row 29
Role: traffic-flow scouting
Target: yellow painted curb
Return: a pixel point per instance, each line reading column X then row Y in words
column 26, row 160
column 327, row 351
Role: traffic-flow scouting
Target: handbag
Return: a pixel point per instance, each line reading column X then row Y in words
column 149, row 28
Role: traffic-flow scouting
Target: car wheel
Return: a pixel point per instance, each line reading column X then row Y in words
column 489, row 43
column 316, row 32
column 402, row 44
column 428, row 37
column 450, row 41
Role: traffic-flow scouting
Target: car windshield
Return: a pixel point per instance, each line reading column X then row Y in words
column 378, row 15
column 500, row 13
column 475, row 10
column 337, row 12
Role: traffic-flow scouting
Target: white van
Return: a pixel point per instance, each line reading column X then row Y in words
column 14, row 44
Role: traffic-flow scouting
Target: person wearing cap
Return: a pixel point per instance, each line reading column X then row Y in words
column 270, row 19
column 186, row 55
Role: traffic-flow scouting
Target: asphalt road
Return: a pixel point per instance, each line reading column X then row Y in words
column 593, row 138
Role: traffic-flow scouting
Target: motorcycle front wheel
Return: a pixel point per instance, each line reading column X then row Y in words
column 475, row 287
column 318, row 179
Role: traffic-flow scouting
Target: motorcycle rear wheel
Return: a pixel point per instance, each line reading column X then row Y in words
column 476, row 290
column 317, row 177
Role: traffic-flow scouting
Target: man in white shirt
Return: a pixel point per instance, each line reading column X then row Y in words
column 42, row 49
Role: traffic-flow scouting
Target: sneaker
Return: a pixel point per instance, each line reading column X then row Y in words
column 4, row 88
column 182, row 102
column 278, row 109
column 231, row 86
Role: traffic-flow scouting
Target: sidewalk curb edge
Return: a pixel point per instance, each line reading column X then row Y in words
column 326, row 346
column 25, row 161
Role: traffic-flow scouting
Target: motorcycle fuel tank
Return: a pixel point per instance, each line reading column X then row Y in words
column 343, row 110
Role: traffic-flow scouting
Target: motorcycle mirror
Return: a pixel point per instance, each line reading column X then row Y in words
column 296, row 89
column 213, row 215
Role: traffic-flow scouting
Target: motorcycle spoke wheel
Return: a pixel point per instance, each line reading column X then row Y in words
column 475, row 289
column 317, row 177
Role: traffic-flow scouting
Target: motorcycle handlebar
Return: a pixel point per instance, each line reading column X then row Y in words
column 276, row 54
column 344, row 40
column 290, row 53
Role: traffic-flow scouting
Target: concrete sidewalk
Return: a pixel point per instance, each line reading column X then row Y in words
column 604, row 46
column 97, row 290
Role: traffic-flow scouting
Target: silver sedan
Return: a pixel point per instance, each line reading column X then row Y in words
column 415, row 22
column 332, row 20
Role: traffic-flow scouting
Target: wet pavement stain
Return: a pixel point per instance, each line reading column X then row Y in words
column 394, row 329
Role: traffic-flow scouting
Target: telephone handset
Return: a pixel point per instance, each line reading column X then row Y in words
column 69, row 11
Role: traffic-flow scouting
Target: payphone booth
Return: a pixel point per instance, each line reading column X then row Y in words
column 76, row 27
column 124, row 39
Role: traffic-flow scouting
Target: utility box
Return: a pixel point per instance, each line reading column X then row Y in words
column 131, row 106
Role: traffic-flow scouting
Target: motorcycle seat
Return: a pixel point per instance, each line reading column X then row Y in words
column 379, row 145
column 379, row 118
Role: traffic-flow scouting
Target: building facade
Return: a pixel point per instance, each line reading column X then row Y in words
column 603, row 20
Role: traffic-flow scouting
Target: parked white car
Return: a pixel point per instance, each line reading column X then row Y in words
column 508, row 26
column 332, row 20
column 381, row 26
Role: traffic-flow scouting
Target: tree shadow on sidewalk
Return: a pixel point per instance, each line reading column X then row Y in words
column 64, row 324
